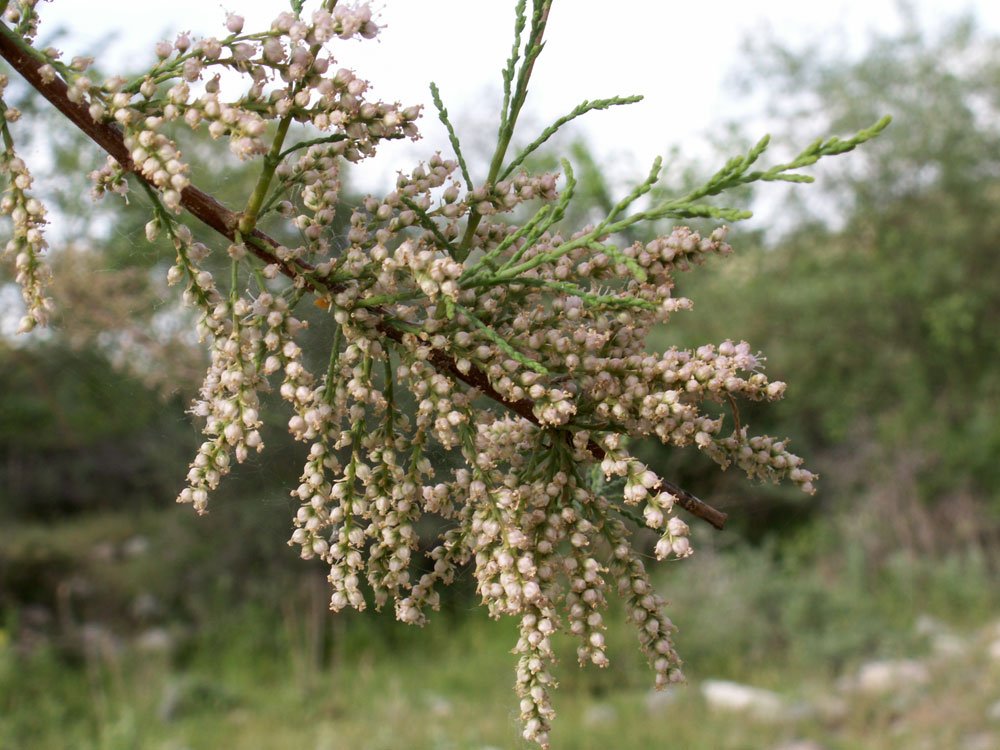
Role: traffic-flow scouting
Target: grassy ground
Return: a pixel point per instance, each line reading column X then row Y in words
column 270, row 676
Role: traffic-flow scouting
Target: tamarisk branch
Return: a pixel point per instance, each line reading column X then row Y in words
column 226, row 222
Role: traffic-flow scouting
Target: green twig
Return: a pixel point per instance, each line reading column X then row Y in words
column 487, row 260
column 312, row 142
column 248, row 220
column 331, row 368
column 582, row 109
column 428, row 223
column 456, row 147
column 557, row 213
column 520, row 19
column 564, row 287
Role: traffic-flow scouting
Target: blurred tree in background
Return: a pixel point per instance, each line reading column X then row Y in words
column 881, row 296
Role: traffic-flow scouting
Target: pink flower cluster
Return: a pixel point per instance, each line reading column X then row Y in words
column 440, row 292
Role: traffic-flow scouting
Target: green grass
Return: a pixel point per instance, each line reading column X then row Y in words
column 248, row 670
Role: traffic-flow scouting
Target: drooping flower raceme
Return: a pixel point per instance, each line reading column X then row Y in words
column 27, row 243
column 469, row 319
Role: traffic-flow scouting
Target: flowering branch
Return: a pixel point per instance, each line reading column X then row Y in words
column 225, row 221
column 436, row 294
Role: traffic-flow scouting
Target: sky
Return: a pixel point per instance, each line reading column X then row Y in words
column 678, row 55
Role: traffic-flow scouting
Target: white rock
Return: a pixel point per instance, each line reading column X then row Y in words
column 170, row 702
column 657, row 701
column 929, row 626
column 831, row 708
column 136, row 546
column 980, row 741
column 438, row 705
column 103, row 552
column 98, row 639
column 154, row 640
column 597, row 714
column 891, row 675
column 799, row 745
column 146, row 606
column 942, row 640
column 732, row 696
column 994, row 650
column 948, row 645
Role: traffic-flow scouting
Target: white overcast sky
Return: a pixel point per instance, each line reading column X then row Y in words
column 677, row 54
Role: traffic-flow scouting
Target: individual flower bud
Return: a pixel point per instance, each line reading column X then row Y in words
column 665, row 500
column 273, row 51
column 776, row 389
column 663, row 548
column 677, row 527
column 172, row 199
column 233, row 432
column 80, row 64
column 192, row 69
column 649, row 480
column 234, row 23
column 210, row 48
